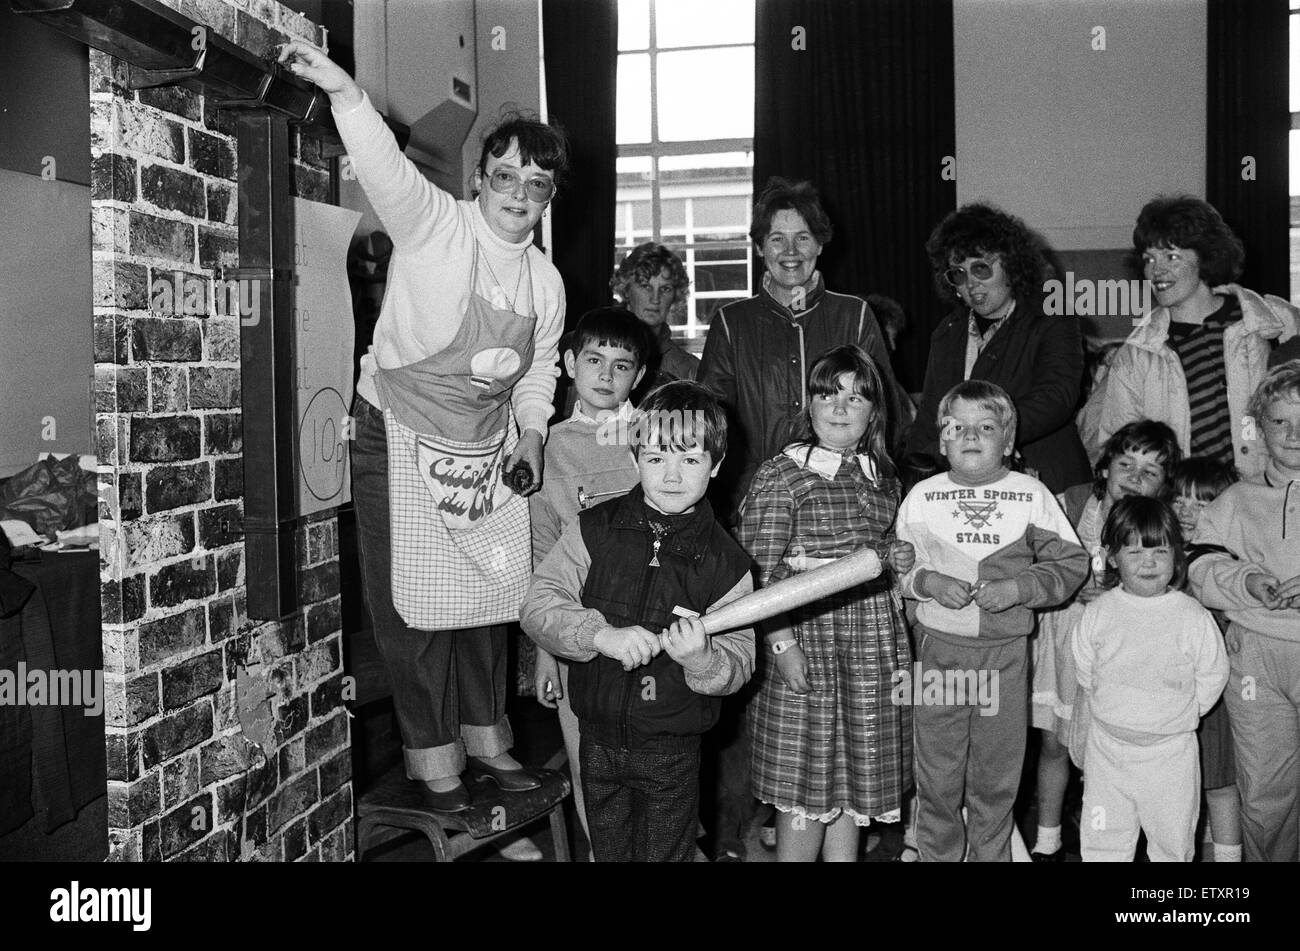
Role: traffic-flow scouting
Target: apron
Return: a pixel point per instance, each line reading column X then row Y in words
column 461, row 548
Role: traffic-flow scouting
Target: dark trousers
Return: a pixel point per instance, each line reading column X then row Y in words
column 449, row 687
column 642, row 805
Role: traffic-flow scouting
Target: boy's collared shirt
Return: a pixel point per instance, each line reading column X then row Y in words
column 1012, row 528
column 586, row 463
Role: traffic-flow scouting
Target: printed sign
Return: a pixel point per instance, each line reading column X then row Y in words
column 324, row 330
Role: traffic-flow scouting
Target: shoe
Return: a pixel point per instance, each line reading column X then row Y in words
column 1057, row 856
column 908, row 854
column 521, row 850
column 728, row 855
column 767, row 837
column 508, row 780
column 453, row 800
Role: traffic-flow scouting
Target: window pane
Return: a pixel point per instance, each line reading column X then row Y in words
column 704, row 94
column 721, row 277
column 738, row 160
column 640, row 216
column 673, row 213
column 633, row 24
column 722, row 211
column 633, row 165
column 729, row 253
column 633, row 98
column 693, row 23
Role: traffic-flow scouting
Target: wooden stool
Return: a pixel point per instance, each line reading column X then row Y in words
column 395, row 803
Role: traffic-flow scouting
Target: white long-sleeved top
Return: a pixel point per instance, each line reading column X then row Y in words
column 429, row 277
column 1151, row 666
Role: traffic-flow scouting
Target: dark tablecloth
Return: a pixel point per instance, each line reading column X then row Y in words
column 52, row 759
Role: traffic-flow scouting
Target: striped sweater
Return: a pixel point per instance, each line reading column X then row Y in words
column 1010, row 528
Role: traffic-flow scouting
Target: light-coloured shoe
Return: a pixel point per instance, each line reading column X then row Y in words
column 522, row 849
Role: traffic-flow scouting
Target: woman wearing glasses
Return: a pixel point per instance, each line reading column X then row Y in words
column 451, row 411
column 988, row 264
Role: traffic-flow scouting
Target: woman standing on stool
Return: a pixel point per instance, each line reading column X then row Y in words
column 465, row 346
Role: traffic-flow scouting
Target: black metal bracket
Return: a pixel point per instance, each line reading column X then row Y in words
column 138, row 77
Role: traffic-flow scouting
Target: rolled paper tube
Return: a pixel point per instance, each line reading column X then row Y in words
column 795, row 592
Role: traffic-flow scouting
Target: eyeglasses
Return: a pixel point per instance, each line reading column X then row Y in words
column 506, row 182
column 957, row 276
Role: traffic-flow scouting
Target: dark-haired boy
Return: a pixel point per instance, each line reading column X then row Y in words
column 620, row 595
column 586, row 462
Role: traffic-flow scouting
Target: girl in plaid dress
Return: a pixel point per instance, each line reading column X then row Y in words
column 830, row 750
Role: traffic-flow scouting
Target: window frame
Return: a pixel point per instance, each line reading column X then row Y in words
column 656, row 150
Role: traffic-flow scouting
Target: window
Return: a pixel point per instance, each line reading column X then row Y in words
column 685, row 130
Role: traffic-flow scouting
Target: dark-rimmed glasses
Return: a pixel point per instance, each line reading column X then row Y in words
column 506, row 182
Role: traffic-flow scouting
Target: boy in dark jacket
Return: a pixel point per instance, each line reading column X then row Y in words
column 620, row 595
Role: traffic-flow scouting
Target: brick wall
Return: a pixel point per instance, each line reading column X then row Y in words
column 226, row 738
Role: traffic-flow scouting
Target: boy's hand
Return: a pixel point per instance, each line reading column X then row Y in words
column 947, row 590
column 686, row 643
column 630, row 646
column 996, row 596
column 529, row 449
column 1289, row 592
column 311, row 64
column 902, row 556
column 792, row 665
column 1265, row 589
column 546, row 679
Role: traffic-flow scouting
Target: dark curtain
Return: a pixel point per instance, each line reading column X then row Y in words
column 865, row 111
column 1247, row 114
column 580, row 43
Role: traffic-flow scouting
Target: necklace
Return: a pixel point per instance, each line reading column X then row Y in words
column 514, row 301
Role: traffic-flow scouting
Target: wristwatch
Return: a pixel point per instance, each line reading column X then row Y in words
column 780, row 647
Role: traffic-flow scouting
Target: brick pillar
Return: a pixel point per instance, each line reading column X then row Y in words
column 226, row 738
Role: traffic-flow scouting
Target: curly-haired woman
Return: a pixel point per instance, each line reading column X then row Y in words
column 652, row 283
column 989, row 264
column 1205, row 332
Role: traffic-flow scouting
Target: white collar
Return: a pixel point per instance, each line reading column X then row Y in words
column 624, row 411
column 826, row 462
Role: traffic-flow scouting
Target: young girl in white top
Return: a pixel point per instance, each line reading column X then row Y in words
column 1151, row 662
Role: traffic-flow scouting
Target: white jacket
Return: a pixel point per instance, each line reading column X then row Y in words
column 1146, row 379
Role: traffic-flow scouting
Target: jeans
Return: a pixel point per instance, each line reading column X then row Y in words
column 642, row 804
column 449, row 687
